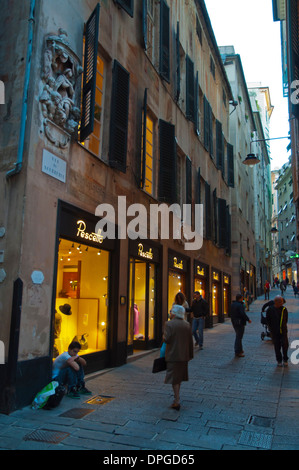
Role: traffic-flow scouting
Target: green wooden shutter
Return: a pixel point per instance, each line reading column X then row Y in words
column 164, row 41
column 229, row 232
column 119, row 118
column 90, row 74
column 198, row 194
column 196, row 102
column 190, row 98
column 168, row 163
column 230, row 166
column 127, row 5
column 178, row 63
column 208, row 211
column 206, row 124
column 144, row 24
column 219, row 145
column 222, row 223
column 215, row 217
column 188, row 181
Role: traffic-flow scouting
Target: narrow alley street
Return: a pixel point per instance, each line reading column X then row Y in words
column 228, row 404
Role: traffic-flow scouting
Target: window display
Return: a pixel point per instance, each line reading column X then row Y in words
column 142, row 302
column 81, row 310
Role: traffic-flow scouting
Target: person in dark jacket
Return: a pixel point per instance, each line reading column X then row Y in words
column 239, row 320
column 277, row 320
column 199, row 309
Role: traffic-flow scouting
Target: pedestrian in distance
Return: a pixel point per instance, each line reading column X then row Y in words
column 179, row 351
column 68, row 369
column 277, row 320
column 246, row 298
column 199, row 310
column 282, row 287
column 267, row 290
column 239, row 320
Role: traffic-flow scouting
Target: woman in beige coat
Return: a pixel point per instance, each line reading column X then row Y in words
column 179, row 351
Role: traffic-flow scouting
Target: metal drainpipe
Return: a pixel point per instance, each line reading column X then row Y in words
column 18, row 165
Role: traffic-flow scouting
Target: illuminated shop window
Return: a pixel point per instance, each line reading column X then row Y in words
column 176, row 283
column 215, row 299
column 81, row 298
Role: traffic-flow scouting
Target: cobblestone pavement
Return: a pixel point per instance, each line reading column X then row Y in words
column 227, row 404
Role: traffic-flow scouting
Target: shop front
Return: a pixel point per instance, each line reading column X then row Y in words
column 226, row 294
column 178, row 279
column 83, row 287
column 216, row 296
column 201, row 279
column 143, row 323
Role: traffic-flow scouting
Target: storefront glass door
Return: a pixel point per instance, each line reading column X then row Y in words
column 142, row 303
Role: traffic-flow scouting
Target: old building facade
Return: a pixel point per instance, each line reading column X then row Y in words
column 123, row 110
column 242, row 131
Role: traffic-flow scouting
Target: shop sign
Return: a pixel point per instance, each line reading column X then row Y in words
column 81, row 232
column 178, row 264
column 215, row 276
column 145, row 254
column 226, row 279
column 200, row 270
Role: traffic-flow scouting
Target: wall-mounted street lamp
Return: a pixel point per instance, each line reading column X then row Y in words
column 251, row 158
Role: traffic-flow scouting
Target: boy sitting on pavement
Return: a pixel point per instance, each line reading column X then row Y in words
column 68, row 370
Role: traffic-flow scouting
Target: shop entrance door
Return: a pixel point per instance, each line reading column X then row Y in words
column 142, row 305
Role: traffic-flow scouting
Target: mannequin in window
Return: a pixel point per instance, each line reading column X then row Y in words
column 136, row 320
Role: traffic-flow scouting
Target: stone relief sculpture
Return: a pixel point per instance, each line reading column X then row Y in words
column 60, row 96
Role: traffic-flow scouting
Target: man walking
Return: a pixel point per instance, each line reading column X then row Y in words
column 200, row 309
column 239, row 319
column 277, row 319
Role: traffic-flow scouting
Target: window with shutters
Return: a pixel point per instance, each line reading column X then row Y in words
column 89, row 74
column 94, row 141
column 190, row 90
column 147, row 152
column 119, row 117
column 208, row 136
column 168, row 163
column 164, row 40
column 150, row 29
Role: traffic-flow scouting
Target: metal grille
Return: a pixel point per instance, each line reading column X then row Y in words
column 46, row 435
column 261, row 421
column 255, row 439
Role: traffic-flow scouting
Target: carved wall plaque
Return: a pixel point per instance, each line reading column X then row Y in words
column 60, row 98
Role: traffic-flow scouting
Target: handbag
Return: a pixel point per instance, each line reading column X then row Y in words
column 159, row 365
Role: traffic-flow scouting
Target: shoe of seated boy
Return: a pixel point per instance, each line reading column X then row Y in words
column 73, row 393
column 84, row 391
